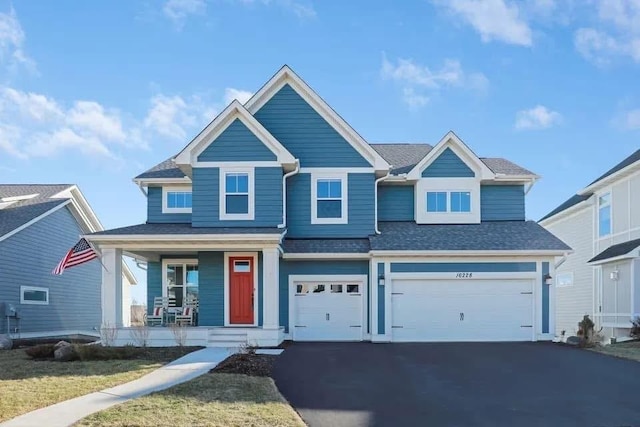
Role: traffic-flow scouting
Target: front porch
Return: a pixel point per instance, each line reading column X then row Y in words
column 216, row 291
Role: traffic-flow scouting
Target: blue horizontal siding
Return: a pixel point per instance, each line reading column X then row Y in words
column 360, row 208
column 154, row 209
column 154, row 283
column 502, row 203
column 396, row 203
column 206, row 198
column 324, row 268
column 305, row 134
column 466, row 267
column 74, row 297
column 448, row 165
column 236, row 143
column 211, row 283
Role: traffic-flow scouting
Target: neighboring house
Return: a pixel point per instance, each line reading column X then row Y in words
column 38, row 225
column 601, row 222
column 285, row 223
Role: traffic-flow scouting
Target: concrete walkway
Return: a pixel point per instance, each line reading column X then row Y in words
column 70, row 411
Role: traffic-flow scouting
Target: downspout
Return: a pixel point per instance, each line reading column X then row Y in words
column 561, row 261
column 533, row 181
column 284, row 193
column 375, row 199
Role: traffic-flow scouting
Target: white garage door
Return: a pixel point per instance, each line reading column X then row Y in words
column 327, row 311
column 469, row 310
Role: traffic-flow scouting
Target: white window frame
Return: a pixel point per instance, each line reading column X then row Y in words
column 165, row 199
column 250, row 215
column 344, row 181
column 448, row 204
column 563, row 278
column 447, row 185
column 177, row 261
column 36, row 289
column 598, row 207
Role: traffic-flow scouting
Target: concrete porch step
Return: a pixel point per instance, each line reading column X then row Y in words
column 227, row 331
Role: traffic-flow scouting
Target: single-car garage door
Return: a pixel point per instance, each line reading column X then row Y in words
column 327, row 311
column 462, row 310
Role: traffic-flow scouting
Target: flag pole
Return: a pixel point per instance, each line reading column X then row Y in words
column 98, row 253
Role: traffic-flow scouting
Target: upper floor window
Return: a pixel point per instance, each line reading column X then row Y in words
column 34, row 295
column 443, row 201
column 329, row 204
column 176, row 200
column 236, row 194
column 604, row 214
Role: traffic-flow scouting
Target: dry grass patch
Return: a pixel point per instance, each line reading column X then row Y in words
column 26, row 384
column 626, row 350
column 210, row 400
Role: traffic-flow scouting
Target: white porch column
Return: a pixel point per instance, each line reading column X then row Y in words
column 112, row 287
column 271, row 289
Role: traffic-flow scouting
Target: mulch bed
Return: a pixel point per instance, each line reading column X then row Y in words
column 255, row 365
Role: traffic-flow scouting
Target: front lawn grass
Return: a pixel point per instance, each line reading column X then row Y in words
column 210, row 400
column 626, row 350
column 26, row 384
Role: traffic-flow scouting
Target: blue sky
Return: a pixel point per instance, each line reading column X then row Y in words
column 96, row 92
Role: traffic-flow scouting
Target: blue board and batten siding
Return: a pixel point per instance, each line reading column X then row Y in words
column 502, row 203
column 206, row 198
column 545, row 298
column 74, row 297
column 396, row 202
column 236, row 143
column 448, row 165
column 381, row 300
column 316, row 267
column 305, row 134
column 360, row 209
column 154, row 209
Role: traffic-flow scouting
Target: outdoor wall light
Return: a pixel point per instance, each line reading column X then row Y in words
column 381, row 280
column 548, row 280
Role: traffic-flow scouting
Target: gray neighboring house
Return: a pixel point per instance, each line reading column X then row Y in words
column 38, row 225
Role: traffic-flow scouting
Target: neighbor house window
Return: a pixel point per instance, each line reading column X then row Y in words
column 329, row 200
column 176, row 200
column 236, row 195
column 34, row 295
column 181, row 282
column 604, row 214
column 564, row 279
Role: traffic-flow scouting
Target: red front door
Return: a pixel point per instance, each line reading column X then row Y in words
column 241, row 290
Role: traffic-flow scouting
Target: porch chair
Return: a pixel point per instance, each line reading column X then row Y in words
column 186, row 317
column 156, row 316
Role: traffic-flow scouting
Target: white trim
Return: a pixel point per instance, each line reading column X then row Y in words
column 344, row 200
column 619, row 233
column 276, row 237
column 238, row 164
column 286, row 76
column 235, row 110
column 147, row 181
column 61, row 333
column 462, row 254
column 34, row 289
column 629, row 255
column 332, row 170
column 516, row 275
column 327, row 255
column 567, row 213
column 256, row 288
column 80, row 208
column 184, row 262
column 251, row 196
column 451, row 140
column 361, row 278
column 165, row 200
column 607, row 192
column 34, row 220
column 604, row 182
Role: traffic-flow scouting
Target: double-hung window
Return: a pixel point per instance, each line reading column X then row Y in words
column 604, row 215
column 448, row 201
column 176, row 200
column 236, row 195
column 329, row 200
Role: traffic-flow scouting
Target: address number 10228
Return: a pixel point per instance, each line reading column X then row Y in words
column 464, row 275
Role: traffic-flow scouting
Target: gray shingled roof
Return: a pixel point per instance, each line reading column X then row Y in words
column 616, row 250
column 149, row 229
column 19, row 213
column 166, row 169
column 496, row 235
column 352, row 246
column 575, row 199
column 499, row 165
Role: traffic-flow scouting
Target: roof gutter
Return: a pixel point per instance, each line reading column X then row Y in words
column 531, row 184
column 561, row 261
column 284, row 193
column 375, row 199
column 141, row 188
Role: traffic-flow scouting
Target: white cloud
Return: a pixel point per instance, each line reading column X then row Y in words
column 168, row 115
column 179, row 10
column 416, row 79
column 494, row 20
column 241, row 95
column 538, row 117
column 92, row 117
column 32, row 105
column 12, row 39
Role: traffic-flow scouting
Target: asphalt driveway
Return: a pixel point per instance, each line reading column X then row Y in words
column 458, row 384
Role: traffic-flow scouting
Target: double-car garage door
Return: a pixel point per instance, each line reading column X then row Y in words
column 421, row 310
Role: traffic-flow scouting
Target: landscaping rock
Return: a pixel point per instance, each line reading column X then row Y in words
column 65, row 353
column 5, row 342
column 574, row 340
column 61, row 344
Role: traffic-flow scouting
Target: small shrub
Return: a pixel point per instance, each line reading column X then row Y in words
column 179, row 332
column 108, row 334
column 140, row 335
column 96, row 352
column 41, row 351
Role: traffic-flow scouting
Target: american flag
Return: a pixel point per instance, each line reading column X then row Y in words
column 82, row 252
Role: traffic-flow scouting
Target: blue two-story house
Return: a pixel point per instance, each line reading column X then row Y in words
column 282, row 222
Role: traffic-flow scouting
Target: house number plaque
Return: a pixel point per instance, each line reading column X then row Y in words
column 464, row 275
